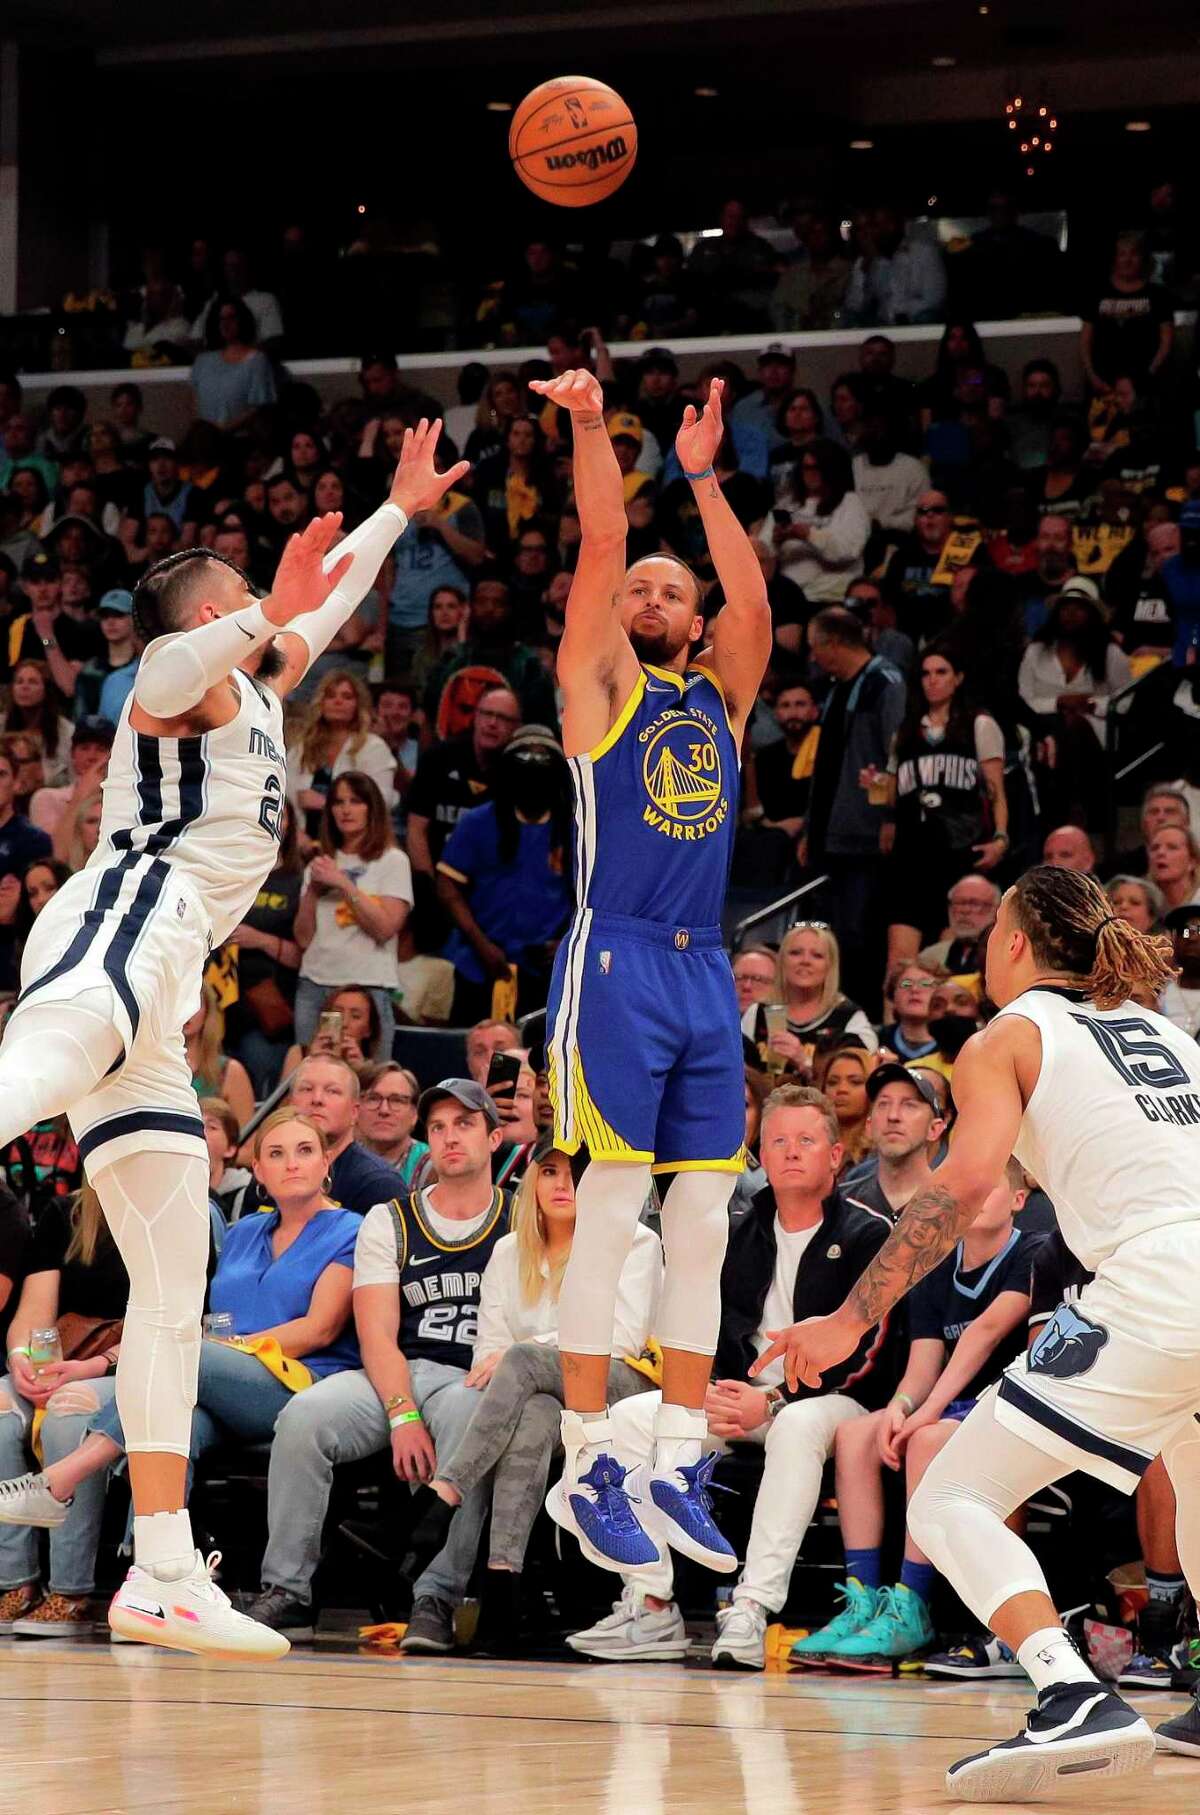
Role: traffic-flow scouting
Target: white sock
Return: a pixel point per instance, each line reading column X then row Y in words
column 163, row 1544
column 1050, row 1657
column 680, row 1434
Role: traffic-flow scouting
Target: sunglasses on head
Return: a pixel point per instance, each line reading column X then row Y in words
column 810, row 926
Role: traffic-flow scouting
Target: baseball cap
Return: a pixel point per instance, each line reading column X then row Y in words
column 94, row 730
column 465, row 1091
column 547, row 1145
column 1189, row 516
column 777, row 350
column 1181, row 917
column 162, row 444
column 533, row 739
column 659, row 359
column 1080, row 587
column 622, row 422
column 41, row 565
column 900, row 1074
column 118, row 601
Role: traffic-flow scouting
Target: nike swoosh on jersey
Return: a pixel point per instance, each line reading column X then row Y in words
column 651, row 688
column 424, row 1260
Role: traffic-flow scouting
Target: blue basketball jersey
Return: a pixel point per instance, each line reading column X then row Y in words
column 656, row 804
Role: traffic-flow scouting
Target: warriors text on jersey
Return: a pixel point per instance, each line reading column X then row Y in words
column 1112, row 1130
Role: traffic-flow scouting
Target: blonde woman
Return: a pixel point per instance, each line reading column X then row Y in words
column 808, row 984
column 517, row 1371
column 335, row 736
column 78, row 832
column 213, row 1074
column 285, row 1276
column 1173, row 864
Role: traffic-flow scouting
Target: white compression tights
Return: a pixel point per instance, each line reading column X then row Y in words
column 156, row 1206
column 695, row 1223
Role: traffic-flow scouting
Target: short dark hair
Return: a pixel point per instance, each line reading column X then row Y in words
column 161, row 596
column 1045, row 366
column 279, row 479
column 67, row 397
column 127, row 389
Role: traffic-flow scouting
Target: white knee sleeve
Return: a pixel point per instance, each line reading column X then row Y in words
column 695, row 1226
column 53, row 1054
column 957, row 1514
column 608, row 1204
column 157, row 1208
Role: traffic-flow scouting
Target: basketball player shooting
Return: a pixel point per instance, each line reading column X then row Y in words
column 190, row 829
column 1100, row 1101
column 644, row 1043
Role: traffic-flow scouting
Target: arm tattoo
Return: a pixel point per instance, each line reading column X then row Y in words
column 929, row 1226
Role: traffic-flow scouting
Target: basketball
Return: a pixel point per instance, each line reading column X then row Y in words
column 572, row 141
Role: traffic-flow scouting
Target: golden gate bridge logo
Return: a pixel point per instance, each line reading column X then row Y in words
column 682, row 771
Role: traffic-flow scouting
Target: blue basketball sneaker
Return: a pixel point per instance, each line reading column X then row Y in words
column 593, row 1504
column 680, row 1513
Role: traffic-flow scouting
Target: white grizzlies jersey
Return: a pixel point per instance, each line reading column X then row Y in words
column 1112, row 1130
column 208, row 806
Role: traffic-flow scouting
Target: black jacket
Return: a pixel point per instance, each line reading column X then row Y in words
column 849, row 1237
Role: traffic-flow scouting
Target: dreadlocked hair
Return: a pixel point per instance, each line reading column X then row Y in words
column 1072, row 931
column 162, row 595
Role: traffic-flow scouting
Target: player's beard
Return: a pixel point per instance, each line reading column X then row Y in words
column 271, row 663
column 659, row 649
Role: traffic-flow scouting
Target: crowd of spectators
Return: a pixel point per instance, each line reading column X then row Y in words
column 964, row 584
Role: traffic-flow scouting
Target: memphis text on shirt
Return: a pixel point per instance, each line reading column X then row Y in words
column 940, row 769
column 681, row 771
column 262, row 745
column 434, row 1288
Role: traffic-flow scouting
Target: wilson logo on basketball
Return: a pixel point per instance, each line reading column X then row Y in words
column 593, row 157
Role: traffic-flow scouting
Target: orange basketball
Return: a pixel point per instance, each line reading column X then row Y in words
column 572, row 141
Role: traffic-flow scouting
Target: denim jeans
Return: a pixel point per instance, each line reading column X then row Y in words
column 341, row 1419
column 236, row 1396
column 72, row 1544
column 307, row 1010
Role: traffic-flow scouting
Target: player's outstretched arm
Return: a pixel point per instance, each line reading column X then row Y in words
column 741, row 644
column 593, row 642
column 356, row 562
column 987, row 1089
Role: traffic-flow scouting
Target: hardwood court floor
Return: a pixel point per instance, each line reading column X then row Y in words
column 89, row 1730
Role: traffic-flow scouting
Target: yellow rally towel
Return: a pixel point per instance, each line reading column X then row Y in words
column 779, row 1642
column 291, row 1374
column 806, row 756
column 504, row 996
column 35, row 1433
column 649, row 1362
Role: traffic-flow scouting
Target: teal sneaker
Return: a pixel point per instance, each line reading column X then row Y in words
column 860, row 1608
column 901, row 1626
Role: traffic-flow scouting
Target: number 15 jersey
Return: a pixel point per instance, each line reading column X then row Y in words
column 208, row 806
column 1112, row 1130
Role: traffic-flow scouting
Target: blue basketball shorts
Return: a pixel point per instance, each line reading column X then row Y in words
column 645, row 1045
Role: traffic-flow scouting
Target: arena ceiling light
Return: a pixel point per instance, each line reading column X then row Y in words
column 499, row 106
column 862, row 144
column 944, row 62
column 705, row 93
column 1137, row 126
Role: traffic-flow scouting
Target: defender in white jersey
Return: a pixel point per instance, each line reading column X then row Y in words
column 1100, row 1100
column 113, row 969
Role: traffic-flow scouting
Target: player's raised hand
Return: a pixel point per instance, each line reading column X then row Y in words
column 417, row 484
column 809, row 1349
column 578, row 391
column 301, row 583
column 701, row 431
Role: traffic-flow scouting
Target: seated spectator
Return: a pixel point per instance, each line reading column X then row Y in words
column 1065, row 485
column 811, row 290
column 817, row 1011
column 1143, row 621
column 236, row 281
column 518, row 1105
column 1069, row 848
column 876, row 609
column 1174, row 866
column 105, row 683
column 760, row 408
column 908, row 993
column 445, row 628
column 792, row 1256
column 416, row 1325
column 72, row 1271
column 288, row 510
column 91, row 744
column 503, row 398
column 484, row 1040
column 1162, row 805
column 232, row 380
column 514, row 1434
column 160, row 334
column 1129, row 324
column 491, row 644
column 503, row 877
column 213, row 1073
column 442, row 550
column 735, row 271
column 960, row 353
column 335, row 737
column 906, row 1124
column 898, row 276
column 118, row 484
column 327, row 1091
column 267, row 965
column 1136, row 899
column 966, row 1323
column 798, row 423
column 66, row 430
column 955, row 1013
column 284, row 1277
column 21, row 901
column 1031, row 423
column 669, row 301
column 167, row 494
column 821, row 547
column 1067, row 676
column 778, row 785
column 886, row 480
column 751, row 1178
column 20, row 842
column 951, row 809
column 915, row 572
column 424, row 993
column 37, row 707
column 387, row 1117
column 229, row 1193
column 841, row 1074
column 348, row 1028
column 516, row 487
column 24, row 750
column 755, row 969
column 849, row 397
column 356, row 896
column 1180, row 1000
